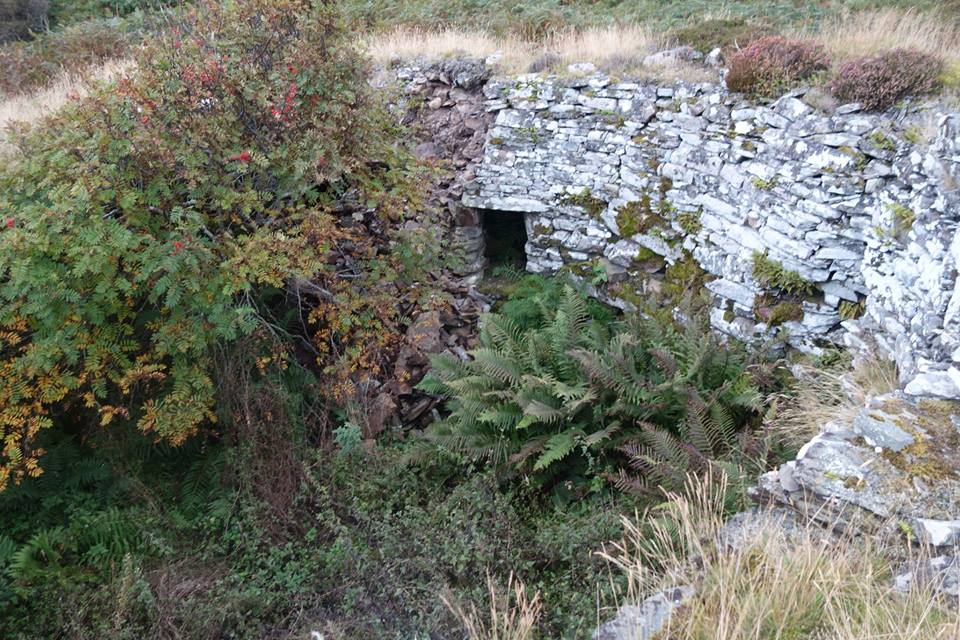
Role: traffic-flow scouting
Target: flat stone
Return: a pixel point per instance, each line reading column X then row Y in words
column 880, row 430
column 582, row 68
column 937, row 533
column 936, row 384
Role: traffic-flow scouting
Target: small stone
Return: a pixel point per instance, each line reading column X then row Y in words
column 937, row 384
column 581, row 68
column 937, row 533
column 644, row 621
column 845, row 109
column 672, row 56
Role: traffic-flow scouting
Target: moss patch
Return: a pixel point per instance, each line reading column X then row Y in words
column 903, row 217
column 586, row 200
column 764, row 185
column 785, row 312
column 683, row 278
column 637, row 217
column 852, row 310
column 882, row 142
column 771, row 273
column 689, row 221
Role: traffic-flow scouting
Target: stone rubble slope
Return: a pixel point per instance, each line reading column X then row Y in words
column 896, row 463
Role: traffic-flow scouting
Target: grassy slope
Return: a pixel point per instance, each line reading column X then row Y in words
column 539, row 16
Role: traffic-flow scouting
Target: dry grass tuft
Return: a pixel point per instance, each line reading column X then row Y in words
column 512, row 616
column 33, row 107
column 825, row 394
column 616, row 47
column 620, row 49
column 868, row 33
column 771, row 586
column 413, row 43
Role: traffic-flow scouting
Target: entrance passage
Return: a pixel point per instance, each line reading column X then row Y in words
column 505, row 237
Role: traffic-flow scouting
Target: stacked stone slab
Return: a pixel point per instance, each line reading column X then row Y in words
column 443, row 105
column 862, row 206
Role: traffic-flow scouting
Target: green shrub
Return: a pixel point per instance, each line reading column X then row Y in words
column 770, row 66
column 558, row 400
column 531, row 299
column 245, row 176
column 67, row 12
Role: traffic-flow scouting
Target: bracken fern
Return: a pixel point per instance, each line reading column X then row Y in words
column 568, row 399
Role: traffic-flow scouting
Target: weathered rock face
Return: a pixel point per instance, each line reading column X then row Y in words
column 635, row 177
column 444, row 106
column 896, row 463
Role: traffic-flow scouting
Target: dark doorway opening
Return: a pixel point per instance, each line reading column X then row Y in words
column 505, row 239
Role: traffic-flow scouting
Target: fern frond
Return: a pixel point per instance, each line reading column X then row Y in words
column 555, row 449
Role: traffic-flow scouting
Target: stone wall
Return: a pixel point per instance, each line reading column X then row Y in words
column 443, row 106
column 854, row 214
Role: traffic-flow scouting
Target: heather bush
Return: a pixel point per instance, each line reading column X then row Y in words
column 769, row 66
column 244, row 181
column 879, row 81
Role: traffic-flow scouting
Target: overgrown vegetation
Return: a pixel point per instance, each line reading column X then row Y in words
column 533, row 17
column 67, row 12
column 769, row 66
column 206, row 276
column 130, row 539
column 33, row 64
column 227, row 191
column 568, row 400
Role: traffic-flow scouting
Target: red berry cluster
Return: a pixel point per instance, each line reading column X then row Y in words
column 283, row 114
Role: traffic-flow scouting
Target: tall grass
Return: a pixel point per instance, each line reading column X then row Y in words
column 823, row 394
column 30, row 108
column 512, row 615
column 616, row 49
column 867, row 33
column 772, row 585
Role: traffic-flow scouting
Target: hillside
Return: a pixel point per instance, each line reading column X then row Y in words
column 479, row 320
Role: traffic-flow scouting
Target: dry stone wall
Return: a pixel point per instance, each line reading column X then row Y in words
column 853, row 214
